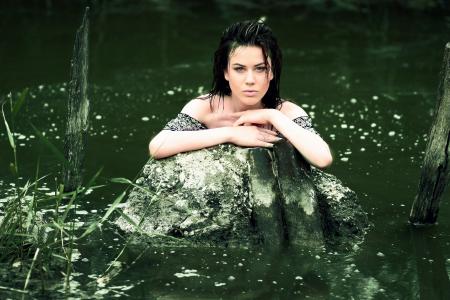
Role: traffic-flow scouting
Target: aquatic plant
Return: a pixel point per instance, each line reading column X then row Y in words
column 38, row 230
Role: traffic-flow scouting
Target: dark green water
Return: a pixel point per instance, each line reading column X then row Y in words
column 369, row 81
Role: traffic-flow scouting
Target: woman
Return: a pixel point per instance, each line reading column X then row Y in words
column 244, row 105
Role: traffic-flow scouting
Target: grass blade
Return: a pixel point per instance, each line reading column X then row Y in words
column 13, row 290
column 52, row 147
column 59, row 256
column 68, row 207
column 31, row 268
column 18, row 104
column 129, row 220
column 14, row 167
column 121, row 180
column 94, row 225
column 61, row 228
column 8, row 130
column 131, row 183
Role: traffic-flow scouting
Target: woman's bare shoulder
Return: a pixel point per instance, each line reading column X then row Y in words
column 292, row 110
column 198, row 107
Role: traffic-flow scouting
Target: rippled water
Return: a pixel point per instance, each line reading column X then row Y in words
column 368, row 81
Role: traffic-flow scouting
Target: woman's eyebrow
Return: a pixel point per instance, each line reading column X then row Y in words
column 241, row 65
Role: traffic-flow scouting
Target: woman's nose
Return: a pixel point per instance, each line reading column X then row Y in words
column 250, row 79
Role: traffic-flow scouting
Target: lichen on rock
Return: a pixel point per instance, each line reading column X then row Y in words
column 232, row 196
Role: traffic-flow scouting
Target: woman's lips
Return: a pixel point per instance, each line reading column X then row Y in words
column 250, row 93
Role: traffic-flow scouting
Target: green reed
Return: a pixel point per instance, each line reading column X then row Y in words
column 29, row 237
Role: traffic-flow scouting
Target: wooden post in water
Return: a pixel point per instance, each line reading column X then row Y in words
column 77, row 109
column 436, row 169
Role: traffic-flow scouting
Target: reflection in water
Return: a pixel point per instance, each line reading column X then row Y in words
column 245, row 274
column 432, row 273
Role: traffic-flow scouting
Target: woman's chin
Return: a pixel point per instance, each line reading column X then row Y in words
column 250, row 101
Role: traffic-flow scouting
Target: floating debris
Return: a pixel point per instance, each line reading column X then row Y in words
column 16, row 264
column 219, row 283
column 187, row 273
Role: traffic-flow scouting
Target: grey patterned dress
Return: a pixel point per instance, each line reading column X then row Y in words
column 184, row 122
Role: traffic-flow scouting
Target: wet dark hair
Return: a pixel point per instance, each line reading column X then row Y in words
column 247, row 33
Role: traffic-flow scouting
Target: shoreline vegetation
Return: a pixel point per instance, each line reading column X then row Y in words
column 40, row 230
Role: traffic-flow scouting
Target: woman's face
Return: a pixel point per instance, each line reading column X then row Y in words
column 247, row 75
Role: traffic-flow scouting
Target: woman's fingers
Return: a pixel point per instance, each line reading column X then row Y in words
column 254, row 136
column 247, row 117
column 272, row 139
column 265, row 137
column 268, row 131
column 239, row 121
column 264, row 144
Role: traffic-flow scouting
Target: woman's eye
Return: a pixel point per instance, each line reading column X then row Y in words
column 239, row 69
column 261, row 69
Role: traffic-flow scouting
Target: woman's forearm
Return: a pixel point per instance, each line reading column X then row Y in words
column 310, row 145
column 168, row 143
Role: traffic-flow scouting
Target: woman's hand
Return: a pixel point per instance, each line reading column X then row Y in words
column 254, row 116
column 252, row 136
column 219, row 119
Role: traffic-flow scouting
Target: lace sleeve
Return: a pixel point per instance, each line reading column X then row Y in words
column 305, row 122
column 184, row 122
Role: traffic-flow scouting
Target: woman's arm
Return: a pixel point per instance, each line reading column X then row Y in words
column 168, row 143
column 313, row 148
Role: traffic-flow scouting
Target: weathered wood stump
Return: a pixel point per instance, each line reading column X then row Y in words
column 232, row 196
column 435, row 173
column 77, row 109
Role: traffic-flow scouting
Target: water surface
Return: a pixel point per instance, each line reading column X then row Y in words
column 368, row 80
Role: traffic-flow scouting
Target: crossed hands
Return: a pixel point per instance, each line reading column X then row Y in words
column 245, row 128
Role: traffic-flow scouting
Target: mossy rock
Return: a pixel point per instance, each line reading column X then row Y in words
column 232, row 196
